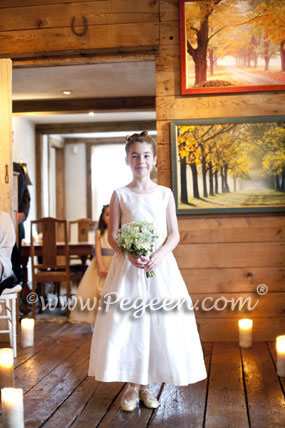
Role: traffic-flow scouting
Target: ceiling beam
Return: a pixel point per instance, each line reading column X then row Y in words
column 88, row 127
column 81, row 58
column 82, row 105
column 97, row 141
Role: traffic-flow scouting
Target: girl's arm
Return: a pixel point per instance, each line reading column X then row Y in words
column 172, row 238
column 113, row 227
column 114, row 223
column 99, row 259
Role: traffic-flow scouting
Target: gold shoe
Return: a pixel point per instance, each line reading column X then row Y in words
column 130, row 398
column 148, row 399
column 129, row 405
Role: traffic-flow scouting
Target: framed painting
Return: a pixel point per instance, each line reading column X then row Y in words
column 228, row 164
column 230, row 46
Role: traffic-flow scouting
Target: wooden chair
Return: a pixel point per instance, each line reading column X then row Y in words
column 54, row 267
column 9, row 302
column 84, row 226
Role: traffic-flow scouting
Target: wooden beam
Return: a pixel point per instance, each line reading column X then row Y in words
column 95, row 141
column 82, row 56
column 87, row 127
column 42, row 16
column 39, row 193
column 60, row 184
column 125, row 55
column 101, row 5
column 83, row 105
column 88, row 181
column 52, row 41
column 17, row 3
column 6, row 169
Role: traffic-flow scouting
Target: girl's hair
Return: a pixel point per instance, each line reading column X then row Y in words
column 143, row 137
column 102, row 225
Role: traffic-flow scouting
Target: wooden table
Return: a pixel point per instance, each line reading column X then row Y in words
column 80, row 249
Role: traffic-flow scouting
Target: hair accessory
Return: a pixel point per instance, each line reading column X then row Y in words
column 144, row 134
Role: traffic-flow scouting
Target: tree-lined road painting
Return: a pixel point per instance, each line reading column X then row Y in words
column 235, row 43
column 222, row 165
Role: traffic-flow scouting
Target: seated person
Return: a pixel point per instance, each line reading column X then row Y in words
column 7, row 241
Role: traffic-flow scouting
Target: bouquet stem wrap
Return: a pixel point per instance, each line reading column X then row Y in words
column 138, row 238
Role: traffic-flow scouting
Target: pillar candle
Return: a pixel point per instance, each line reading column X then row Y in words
column 280, row 348
column 245, row 333
column 6, row 368
column 12, row 407
column 27, row 332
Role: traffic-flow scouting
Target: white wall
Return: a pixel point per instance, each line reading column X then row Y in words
column 45, row 177
column 75, row 181
column 109, row 171
column 23, row 149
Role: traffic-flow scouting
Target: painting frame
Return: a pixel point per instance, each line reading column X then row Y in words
column 198, row 90
column 176, row 172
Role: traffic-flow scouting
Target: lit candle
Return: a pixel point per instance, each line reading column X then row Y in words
column 280, row 348
column 6, row 367
column 245, row 333
column 13, row 408
column 27, row 332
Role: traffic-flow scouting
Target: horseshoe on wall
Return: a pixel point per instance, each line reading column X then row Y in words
column 84, row 31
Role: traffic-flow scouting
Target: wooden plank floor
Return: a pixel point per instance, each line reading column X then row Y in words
column 242, row 389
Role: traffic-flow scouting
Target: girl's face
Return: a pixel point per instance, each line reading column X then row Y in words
column 106, row 215
column 140, row 159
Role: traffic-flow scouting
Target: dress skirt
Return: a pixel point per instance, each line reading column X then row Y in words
column 140, row 334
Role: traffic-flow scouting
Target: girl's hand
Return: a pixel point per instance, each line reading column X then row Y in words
column 154, row 261
column 138, row 261
column 102, row 272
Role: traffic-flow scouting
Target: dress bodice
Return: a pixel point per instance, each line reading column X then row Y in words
column 106, row 248
column 145, row 207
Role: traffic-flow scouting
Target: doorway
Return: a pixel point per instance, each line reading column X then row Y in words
column 111, row 96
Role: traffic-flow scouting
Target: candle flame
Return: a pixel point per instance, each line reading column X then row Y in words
column 28, row 323
column 280, row 344
column 245, row 324
column 11, row 395
column 6, row 357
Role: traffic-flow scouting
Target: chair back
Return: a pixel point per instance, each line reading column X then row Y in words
column 84, row 226
column 54, row 231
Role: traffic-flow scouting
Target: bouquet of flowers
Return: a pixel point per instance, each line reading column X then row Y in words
column 138, row 238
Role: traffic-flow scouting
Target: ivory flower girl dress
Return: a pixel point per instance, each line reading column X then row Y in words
column 158, row 345
column 91, row 286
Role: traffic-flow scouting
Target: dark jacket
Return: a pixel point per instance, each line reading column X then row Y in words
column 23, row 196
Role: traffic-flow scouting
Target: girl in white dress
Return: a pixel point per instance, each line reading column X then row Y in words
column 134, row 345
column 91, row 285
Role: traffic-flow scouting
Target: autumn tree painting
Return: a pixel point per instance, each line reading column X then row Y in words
column 233, row 44
column 230, row 164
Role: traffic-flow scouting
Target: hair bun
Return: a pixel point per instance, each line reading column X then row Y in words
column 144, row 134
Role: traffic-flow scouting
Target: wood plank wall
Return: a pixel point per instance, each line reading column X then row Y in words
column 6, row 168
column 222, row 256
column 42, row 28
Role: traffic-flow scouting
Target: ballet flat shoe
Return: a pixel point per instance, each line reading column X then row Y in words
column 129, row 405
column 149, row 402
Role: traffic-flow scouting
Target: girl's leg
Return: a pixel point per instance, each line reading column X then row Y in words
column 147, row 397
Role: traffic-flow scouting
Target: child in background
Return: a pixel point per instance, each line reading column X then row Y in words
column 91, row 285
